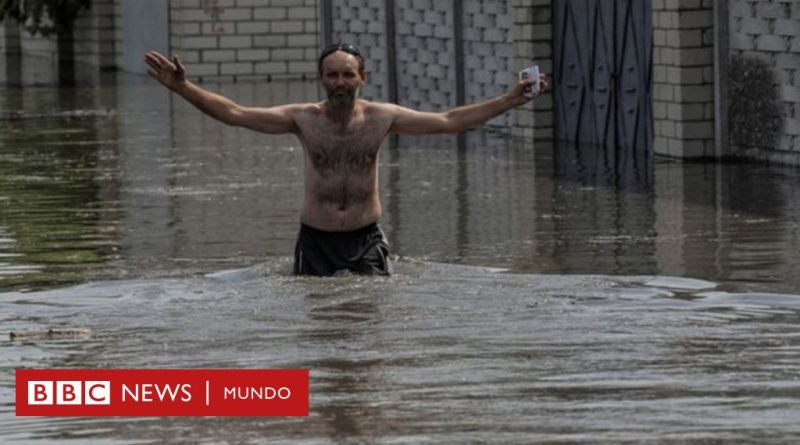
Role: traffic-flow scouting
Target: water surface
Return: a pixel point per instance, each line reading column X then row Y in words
column 543, row 295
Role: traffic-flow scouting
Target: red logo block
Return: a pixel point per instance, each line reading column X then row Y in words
column 161, row 392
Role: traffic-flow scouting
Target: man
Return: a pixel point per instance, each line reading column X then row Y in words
column 341, row 138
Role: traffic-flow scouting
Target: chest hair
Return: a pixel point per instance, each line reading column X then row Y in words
column 344, row 150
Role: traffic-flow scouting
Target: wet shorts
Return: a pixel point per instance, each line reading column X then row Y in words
column 322, row 253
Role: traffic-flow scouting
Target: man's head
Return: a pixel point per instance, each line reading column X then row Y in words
column 342, row 73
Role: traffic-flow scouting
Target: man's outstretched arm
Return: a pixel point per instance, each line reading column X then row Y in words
column 456, row 120
column 172, row 74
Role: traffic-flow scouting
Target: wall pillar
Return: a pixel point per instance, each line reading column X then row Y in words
column 533, row 44
column 683, row 78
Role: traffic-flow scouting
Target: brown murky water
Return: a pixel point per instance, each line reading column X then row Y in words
column 638, row 303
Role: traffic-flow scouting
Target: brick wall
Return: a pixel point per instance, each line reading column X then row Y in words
column 532, row 35
column 363, row 24
column 425, row 54
column 489, row 52
column 683, row 78
column 239, row 39
column 499, row 39
column 770, row 30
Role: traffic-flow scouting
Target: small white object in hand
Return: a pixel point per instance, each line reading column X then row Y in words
column 531, row 73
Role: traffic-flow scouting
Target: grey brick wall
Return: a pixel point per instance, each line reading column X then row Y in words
column 532, row 34
column 363, row 23
column 770, row 31
column 496, row 45
column 489, row 52
column 683, row 78
column 425, row 54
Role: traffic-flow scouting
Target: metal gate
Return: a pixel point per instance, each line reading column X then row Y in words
column 602, row 74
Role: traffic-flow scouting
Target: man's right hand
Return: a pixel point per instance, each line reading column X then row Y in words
column 170, row 74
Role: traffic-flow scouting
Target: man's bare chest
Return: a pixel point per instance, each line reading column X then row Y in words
column 343, row 149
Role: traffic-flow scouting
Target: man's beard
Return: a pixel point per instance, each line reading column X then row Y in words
column 342, row 97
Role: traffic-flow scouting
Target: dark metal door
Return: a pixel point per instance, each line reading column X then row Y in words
column 602, row 74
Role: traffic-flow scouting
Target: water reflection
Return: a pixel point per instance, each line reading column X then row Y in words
column 604, row 166
column 125, row 181
column 51, row 204
column 344, row 334
column 30, row 69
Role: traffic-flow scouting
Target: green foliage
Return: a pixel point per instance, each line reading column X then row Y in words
column 755, row 107
column 33, row 14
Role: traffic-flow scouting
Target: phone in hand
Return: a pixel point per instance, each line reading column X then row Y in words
column 531, row 73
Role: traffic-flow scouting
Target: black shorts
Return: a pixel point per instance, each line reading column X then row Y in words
column 322, row 253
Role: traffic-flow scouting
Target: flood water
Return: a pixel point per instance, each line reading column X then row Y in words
column 542, row 295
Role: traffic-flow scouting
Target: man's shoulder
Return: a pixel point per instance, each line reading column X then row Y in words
column 307, row 107
column 305, row 111
column 383, row 108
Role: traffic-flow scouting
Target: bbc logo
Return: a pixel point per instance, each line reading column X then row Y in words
column 69, row 392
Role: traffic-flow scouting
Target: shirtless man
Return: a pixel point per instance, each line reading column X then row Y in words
column 341, row 137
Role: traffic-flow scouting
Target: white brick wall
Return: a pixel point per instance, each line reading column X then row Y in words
column 236, row 39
